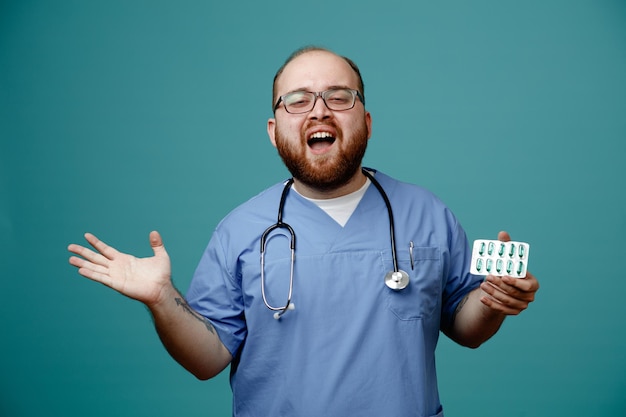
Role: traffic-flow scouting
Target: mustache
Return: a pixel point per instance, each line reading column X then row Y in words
column 314, row 124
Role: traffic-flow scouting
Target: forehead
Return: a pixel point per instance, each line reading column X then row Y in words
column 316, row 71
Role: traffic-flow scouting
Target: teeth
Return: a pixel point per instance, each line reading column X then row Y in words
column 321, row 135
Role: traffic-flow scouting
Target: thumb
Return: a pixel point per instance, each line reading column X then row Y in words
column 504, row 236
column 156, row 242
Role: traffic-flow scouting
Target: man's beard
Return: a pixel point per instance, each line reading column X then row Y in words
column 324, row 173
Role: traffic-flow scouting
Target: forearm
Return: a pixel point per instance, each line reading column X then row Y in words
column 189, row 337
column 474, row 322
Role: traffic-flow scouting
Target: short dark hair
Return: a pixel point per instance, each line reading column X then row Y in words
column 313, row 48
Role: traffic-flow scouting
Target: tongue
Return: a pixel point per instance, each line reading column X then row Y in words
column 320, row 145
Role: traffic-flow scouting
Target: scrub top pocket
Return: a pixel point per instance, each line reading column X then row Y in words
column 422, row 297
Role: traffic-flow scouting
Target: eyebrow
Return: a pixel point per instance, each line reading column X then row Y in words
column 332, row 87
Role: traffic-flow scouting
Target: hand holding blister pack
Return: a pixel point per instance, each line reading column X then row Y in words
column 494, row 257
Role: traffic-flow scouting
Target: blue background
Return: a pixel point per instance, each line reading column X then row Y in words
column 120, row 117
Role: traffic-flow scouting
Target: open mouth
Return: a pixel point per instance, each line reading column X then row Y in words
column 320, row 140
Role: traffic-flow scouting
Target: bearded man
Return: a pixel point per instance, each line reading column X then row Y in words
column 343, row 320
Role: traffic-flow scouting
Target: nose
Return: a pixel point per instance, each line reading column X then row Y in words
column 320, row 110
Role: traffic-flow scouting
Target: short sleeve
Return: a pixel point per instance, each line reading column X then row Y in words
column 459, row 281
column 215, row 293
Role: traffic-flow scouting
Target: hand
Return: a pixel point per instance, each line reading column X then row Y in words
column 141, row 279
column 506, row 294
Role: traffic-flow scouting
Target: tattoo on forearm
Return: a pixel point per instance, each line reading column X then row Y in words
column 460, row 305
column 181, row 302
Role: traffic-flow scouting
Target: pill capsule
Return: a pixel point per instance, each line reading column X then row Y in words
column 490, row 248
column 520, row 268
column 512, row 250
column 481, row 248
column 479, row 264
column 499, row 265
column 509, row 267
column 522, row 251
column 489, row 265
column 501, row 251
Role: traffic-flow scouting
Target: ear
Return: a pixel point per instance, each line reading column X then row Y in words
column 271, row 130
column 368, row 123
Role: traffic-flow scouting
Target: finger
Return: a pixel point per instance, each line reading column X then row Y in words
column 88, row 254
column 512, row 302
column 529, row 284
column 77, row 249
column 506, row 304
column 156, row 242
column 89, row 270
column 84, row 264
column 504, row 236
column 100, row 246
column 500, row 284
column 504, row 285
column 510, row 298
column 498, row 306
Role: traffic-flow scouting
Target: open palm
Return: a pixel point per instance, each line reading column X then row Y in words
column 140, row 278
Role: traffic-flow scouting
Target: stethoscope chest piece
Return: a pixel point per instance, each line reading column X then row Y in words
column 397, row 280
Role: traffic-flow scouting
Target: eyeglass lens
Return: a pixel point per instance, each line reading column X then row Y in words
column 304, row 101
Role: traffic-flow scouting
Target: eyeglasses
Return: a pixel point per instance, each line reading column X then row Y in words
column 337, row 99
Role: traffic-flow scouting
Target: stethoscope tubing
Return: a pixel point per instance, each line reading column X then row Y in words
column 292, row 247
column 392, row 236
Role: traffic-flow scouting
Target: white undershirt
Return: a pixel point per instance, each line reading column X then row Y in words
column 341, row 208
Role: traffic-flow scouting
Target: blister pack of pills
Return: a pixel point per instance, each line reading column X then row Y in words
column 493, row 257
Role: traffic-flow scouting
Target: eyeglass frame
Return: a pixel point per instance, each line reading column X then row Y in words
column 318, row 94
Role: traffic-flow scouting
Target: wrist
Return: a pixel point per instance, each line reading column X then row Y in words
column 165, row 297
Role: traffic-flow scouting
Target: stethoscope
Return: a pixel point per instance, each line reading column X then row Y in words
column 396, row 279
